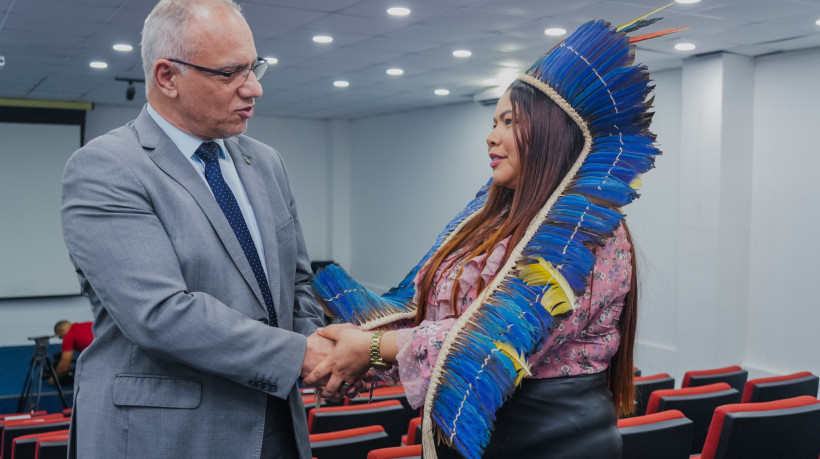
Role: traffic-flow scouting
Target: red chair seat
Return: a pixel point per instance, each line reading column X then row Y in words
column 397, row 452
column 645, row 385
column 349, row 443
column 52, row 447
column 734, row 375
column 666, row 434
column 389, row 414
column 697, row 404
column 780, row 387
column 787, row 428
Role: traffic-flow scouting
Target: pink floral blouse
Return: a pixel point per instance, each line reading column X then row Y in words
column 581, row 341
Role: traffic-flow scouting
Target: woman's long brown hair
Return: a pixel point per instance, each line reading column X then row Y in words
column 621, row 372
column 548, row 143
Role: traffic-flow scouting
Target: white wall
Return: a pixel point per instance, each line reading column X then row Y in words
column 653, row 223
column 412, row 172
column 783, row 311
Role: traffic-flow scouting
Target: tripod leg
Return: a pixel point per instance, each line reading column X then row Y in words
column 53, row 374
column 25, row 394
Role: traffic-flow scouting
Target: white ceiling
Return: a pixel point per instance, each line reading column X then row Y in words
column 48, row 45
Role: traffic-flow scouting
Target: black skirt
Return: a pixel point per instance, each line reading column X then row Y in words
column 570, row 417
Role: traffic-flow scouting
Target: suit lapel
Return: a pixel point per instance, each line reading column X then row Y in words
column 251, row 175
column 165, row 154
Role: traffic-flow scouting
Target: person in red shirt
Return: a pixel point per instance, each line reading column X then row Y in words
column 76, row 337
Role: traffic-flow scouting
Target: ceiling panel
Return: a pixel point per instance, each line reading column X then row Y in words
column 48, row 45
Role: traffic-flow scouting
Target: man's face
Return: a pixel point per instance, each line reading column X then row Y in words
column 61, row 332
column 213, row 106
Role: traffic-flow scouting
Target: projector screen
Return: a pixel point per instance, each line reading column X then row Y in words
column 33, row 257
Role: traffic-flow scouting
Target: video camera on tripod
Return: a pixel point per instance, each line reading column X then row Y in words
column 39, row 363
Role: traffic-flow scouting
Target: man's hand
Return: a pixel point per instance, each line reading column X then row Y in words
column 318, row 349
column 348, row 362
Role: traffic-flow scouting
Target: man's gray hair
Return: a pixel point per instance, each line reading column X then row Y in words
column 165, row 33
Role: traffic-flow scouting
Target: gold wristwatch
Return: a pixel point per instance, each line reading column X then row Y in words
column 375, row 352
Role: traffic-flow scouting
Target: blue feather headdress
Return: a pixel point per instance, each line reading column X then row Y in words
column 591, row 76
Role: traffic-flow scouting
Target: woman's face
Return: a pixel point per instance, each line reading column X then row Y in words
column 504, row 158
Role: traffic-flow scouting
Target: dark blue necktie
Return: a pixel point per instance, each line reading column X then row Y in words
column 209, row 152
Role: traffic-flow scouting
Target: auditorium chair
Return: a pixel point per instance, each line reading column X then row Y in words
column 666, row 434
column 788, row 428
column 52, row 447
column 396, row 452
column 387, row 393
column 696, row 403
column 735, row 376
column 21, row 417
column 413, row 436
column 389, row 414
column 14, row 429
column 645, row 385
column 25, row 447
column 780, row 387
column 348, row 443
column 309, row 400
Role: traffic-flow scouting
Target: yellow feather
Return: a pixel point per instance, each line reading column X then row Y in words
column 636, row 183
column 623, row 26
column 559, row 298
column 555, row 301
column 519, row 361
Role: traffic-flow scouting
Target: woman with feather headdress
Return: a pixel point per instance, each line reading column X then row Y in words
column 515, row 332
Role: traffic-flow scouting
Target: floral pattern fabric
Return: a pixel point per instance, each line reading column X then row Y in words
column 581, row 341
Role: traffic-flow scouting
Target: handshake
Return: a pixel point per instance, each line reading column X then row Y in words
column 337, row 359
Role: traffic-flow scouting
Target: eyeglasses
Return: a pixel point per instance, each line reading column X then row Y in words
column 239, row 75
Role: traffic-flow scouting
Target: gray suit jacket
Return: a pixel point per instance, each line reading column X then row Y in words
column 181, row 365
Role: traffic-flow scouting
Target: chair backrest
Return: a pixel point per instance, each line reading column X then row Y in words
column 309, row 400
column 734, row 375
column 25, row 446
column 387, row 393
column 348, row 443
column 14, row 429
column 782, row 428
column 645, row 385
column 411, row 437
column 23, row 417
column 667, row 434
column 389, row 414
column 780, row 387
column 396, row 452
column 52, row 447
column 697, row 404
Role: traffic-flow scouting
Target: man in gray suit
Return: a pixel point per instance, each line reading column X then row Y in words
column 185, row 238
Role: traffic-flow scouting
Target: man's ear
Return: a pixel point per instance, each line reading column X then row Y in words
column 165, row 78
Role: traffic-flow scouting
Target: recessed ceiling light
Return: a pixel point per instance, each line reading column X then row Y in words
column 98, row 65
column 398, row 11
column 555, row 31
column 462, row 53
column 817, row 22
column 684, row 46
column 341, row 84
column 441, row 92
column 323, row 39
column 123, row 47
column 271, row 60
column 687, row 1
column 395, row 72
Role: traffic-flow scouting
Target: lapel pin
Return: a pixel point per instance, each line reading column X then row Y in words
column 247, row 159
